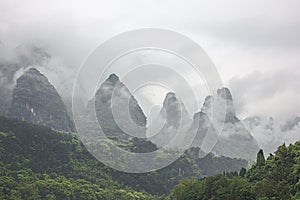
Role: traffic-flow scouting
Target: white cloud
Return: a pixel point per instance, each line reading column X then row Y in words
column 272, row 93
column 240, row 36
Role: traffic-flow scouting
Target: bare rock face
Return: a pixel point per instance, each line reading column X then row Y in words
column 234, row 140
column 201, row 127
column 117, row 111
column 35, row 100
column 174, row 122
column 208, row 105
column 225, row 97
column 12, row 64
column 174, row 111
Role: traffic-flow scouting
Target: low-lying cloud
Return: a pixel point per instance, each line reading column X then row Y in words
column 273, row 93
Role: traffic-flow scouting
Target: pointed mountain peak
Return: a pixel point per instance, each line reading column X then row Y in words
column 35, row 100
column 32, row 71
column 170, row 94
column 34, row 75
column 207, row 105
column 113, row 78
column 218, row 103
column 199, row 115
column 170, row 99
column 224, row 93
column 174, row 109
column 114, row 95
column 209, row 98
column 107, row 87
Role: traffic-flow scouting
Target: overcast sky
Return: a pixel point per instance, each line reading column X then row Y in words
column 254, row 44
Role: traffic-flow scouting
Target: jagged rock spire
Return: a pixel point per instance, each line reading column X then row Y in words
column 35, row 100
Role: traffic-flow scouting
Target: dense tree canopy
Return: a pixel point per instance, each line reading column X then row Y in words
column 277, row 178
column 40, row 163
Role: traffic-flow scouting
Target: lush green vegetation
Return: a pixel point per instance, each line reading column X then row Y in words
column 39, row 163
column 275, row 178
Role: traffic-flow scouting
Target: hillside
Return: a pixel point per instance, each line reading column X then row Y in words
column 276, row 178
column 39, row 162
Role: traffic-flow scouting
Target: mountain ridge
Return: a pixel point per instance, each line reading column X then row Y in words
column 35, row 100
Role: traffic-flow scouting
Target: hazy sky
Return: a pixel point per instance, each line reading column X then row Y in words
column 254, row 44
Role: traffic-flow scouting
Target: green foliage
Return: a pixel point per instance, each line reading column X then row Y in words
column 39, row 163
column 260, row 159
column 59, row 187
column 212, row 165
column 277, row 178
column 215, row 187
column 243, row 172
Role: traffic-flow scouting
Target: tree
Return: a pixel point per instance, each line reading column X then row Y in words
column 276, row 178
column 243, row 172
column 26, row 191
column 260, row 159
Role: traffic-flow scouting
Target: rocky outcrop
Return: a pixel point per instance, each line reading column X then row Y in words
column 234, row 140
column 35, row 100
column 12, row 65
column 117, row 111
column 174, row 122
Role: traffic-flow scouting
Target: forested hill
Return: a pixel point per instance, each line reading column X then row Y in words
column 277, row 178
column 40, row 163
